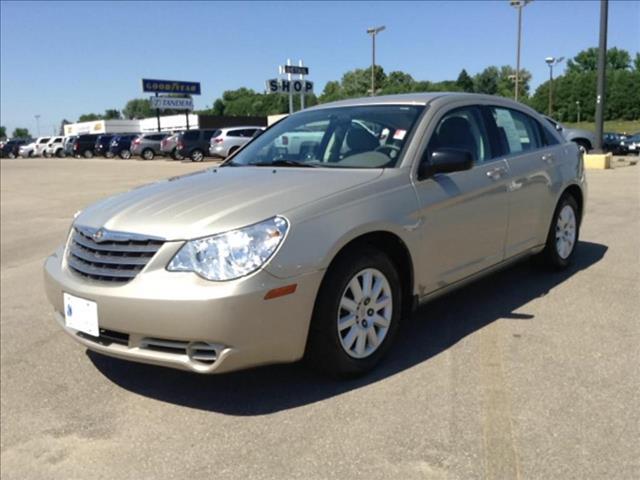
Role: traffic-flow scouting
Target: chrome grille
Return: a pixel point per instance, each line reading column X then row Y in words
column 103, row 255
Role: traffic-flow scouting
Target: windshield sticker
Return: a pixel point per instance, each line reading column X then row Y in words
column 399, row 135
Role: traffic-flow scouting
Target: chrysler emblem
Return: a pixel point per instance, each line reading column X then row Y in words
column 98, row 235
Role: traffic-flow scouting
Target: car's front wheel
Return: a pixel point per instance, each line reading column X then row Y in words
column 125, row 154
column 563, row 233
column 148, row 154
column 88, row 154
column 356, row 314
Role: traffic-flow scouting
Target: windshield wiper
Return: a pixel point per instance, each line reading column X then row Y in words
column 283, row 163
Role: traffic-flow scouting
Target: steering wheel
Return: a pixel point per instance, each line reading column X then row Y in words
column 390, row 151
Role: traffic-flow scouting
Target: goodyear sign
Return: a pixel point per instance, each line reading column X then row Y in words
column 170, row 86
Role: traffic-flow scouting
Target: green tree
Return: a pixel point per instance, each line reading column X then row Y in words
column 487, row 81
column 587, row 60
column 357, row 83
column 398, row 82
column 89, row 117
column 138, row 108
column 3, row 132
column 218, row 107
column 112, row 114
column 332, row 92
column 464, row 81
column 636, row 62
column 21, row 133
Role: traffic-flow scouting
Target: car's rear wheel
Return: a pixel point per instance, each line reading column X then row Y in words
column 175, row 155
column 356, row 314
column 197, row 155
column 60, row 153
column 11, row 155
column 125, row 154
column 147, row 154
column 563, row 233
column 232, row 150
column 88, row 153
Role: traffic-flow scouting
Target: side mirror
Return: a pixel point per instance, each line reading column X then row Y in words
column 445, row 160
column 558, row 127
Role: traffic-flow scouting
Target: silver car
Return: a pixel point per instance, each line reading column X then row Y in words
column 226, row 141
column 319, row 253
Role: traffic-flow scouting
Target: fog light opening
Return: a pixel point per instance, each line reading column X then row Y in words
column 202, row 352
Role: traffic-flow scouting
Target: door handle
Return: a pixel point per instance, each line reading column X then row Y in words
column 547, row 158
column 496, row 173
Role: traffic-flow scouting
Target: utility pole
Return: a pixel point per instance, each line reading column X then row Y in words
column 38, row 123
column 602, row 77
column 373, row 32
column 578, row 108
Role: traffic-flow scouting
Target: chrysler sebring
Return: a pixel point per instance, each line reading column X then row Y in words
column 317, row 237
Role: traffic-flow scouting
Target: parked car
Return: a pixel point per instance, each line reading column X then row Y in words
column 11, row 148
column 84, row 145
column 68, row 144
column 194, row 144
column 147, row 145
column 226, row 141
column 40, row 145
column 27, row 150
column 584, row 138
column 275, row 256
column 169, row 145
column 54, row 147
column 121, row 145
column 633, row 144
column 102, row 144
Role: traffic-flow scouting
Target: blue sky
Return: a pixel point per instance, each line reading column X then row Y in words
column 62, row 59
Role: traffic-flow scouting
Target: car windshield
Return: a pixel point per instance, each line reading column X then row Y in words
column 368, row 136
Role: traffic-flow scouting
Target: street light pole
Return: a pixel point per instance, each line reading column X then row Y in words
column 38, row 123
column 578, row 107
column 551, row 61
column 373, row 32
column 519, row 5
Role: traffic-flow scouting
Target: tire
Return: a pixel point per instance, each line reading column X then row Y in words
column 88, row 154
column 125, row 154
column 175, row 155
column 197, row 155
column 46, row 155
column 147, row 154
column 563, row 234
column 232, row 150
column 342, row 351
column 583, row 145
column 11, row 155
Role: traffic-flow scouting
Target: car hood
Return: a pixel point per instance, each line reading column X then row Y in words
column 218, row 199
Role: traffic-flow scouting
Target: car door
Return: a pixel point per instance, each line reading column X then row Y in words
column 463, row 214
column 530, row 162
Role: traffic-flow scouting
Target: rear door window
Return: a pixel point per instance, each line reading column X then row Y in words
column 517, row 131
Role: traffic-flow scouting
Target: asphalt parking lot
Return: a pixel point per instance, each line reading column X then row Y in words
column 525, row 374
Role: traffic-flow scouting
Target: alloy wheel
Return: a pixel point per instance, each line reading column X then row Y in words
column 565, row 231
column 365, row 313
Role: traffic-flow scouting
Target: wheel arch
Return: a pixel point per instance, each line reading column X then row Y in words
column 395, row 248
column 576, row 192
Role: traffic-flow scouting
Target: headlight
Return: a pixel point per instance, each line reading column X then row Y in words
column 233, row 254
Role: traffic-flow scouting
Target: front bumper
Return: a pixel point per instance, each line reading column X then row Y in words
column 163, row 317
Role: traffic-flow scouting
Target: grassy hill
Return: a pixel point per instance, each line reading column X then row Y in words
column 617, row 126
